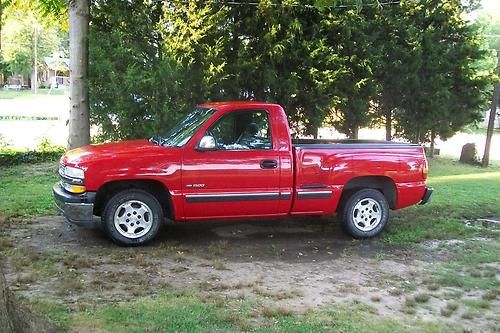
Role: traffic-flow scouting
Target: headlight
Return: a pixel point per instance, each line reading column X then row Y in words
column 71, row 172
column 72, row 179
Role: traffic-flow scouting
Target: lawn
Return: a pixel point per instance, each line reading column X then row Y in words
column 26, row 190
column 15, row 94
column 189, row 311
column 480, row 129
column 462, row 193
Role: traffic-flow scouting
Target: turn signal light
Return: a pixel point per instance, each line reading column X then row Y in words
column 77, row 189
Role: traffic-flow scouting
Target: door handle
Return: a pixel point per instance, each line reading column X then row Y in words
column 268, row 164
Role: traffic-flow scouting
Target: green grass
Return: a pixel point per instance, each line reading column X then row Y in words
column 461, row 192
column 471, row 129
column 467, row 267
column 477, row 303
column 188, row 312
column 454, row 278
column 15, row 94
column 27, row 189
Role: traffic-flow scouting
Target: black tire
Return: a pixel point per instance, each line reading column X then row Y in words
column 138, row 217
column 364, row 213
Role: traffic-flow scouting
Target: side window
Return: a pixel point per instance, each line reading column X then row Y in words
column 242, row 130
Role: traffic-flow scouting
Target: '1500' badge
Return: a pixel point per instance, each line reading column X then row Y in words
column 195, row 185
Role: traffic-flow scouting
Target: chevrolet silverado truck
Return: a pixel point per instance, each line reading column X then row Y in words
column 234, row 160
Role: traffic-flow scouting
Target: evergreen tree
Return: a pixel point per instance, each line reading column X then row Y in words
column 134, row 88
column 350, row 39
column 443, row 90
column 278, row 55
column 415, row 64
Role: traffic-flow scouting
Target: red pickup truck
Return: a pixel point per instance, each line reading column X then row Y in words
column 231, row 160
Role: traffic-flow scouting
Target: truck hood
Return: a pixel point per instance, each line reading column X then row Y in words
column 84, row 155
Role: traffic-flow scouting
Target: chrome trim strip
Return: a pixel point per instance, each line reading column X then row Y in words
column 67, row 179
column 314, row 194
column 219, row 197
column 72, row 181
column 312, row 186
column 285, row 195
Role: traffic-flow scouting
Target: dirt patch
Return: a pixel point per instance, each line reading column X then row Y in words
column 297, row 264
column 16, row 318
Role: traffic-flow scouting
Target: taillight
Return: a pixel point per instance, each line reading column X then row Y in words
column 425, row 170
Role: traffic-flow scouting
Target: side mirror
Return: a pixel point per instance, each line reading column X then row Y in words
column 207, row 143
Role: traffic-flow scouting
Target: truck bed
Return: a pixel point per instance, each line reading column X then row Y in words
column 350, row 144
column 324, row 167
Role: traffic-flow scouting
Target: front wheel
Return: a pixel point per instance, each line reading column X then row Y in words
column 364, row 214
column 132, row 217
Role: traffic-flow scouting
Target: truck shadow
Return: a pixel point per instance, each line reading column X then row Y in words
column 291, row 239
column 304, row 239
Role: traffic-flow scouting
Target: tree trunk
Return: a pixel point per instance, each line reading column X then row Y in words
column 388, row 124
column 433, row 138
column 355, row 133
column 79, row 124
column 1, row 13
column 16, row 318
column 491, row 122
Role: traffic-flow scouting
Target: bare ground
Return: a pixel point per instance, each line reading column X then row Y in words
column 300, row 264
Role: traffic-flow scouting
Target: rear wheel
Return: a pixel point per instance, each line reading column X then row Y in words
column 364, row 213
column 132, row 217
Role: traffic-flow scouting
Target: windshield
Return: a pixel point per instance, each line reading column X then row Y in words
column 180, row 134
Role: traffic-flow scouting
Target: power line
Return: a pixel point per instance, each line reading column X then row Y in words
column 374, row 4
column 237, row 3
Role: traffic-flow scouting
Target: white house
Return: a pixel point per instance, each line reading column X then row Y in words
column 56, row 74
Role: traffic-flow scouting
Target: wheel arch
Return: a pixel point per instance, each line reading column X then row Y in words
column 154, row 187
column 382, row 183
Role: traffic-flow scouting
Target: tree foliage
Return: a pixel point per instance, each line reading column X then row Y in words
column 444, row 90
column 134, row 89
column 414, row 64
column 24, row 27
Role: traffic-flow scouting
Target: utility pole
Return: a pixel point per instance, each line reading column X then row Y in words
column 34, row 77
column 1, row 13
column 491, row 121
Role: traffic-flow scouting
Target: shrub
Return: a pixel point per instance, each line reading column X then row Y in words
column 46, row 146
column 3, row 143
column 13, row 157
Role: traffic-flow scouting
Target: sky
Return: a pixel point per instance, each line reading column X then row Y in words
column 492, row 6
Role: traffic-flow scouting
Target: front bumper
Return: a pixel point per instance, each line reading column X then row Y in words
column 76, row 208
column 427, row 195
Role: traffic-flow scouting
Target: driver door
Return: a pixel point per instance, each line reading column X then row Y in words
column 241, row 177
